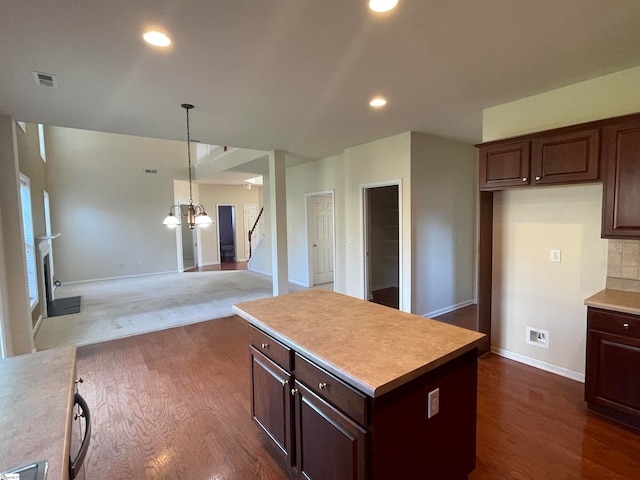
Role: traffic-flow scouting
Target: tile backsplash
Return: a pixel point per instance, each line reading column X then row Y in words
column 623, row 265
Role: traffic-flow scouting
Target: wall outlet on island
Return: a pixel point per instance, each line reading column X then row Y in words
column 433, row 403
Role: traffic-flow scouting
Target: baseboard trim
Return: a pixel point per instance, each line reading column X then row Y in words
column 206, row 264
column 298, row 282
column 117, row 278
column 255, row 270
column 451, row 308
column 384, row 286
column 532, row 362
column 37, row 325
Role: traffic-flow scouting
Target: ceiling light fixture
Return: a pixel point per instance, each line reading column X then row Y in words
column 195, row 214
column 378, row 102
column 381, row 6
column 158, row 39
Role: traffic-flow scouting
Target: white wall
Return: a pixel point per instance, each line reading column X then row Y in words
column 443, row 201
column 524, row 279
column 107, row 209
column 384, row 160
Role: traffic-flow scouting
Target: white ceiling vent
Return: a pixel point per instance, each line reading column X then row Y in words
column 45, row 79
column 150, row 170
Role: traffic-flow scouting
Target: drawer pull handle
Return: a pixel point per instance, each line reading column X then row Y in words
column 524, row 179
column 294, row 391
column 79, row 380
column 284, row 382
column 625, row 325
column 537, row 179
column 322, row 385
column 265, row 345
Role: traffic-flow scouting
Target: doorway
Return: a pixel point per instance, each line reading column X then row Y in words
column 320, row 238
column 227, row 233
column 382, row 244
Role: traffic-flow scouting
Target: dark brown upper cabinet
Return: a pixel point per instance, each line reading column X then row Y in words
column 565, row 158
column 504, row 165
column 621, row 208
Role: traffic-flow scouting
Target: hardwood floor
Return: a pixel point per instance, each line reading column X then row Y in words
column 175, row 404
column 465, row 317
column 386, row 296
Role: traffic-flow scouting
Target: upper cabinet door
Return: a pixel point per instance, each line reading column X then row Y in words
column 621, row 216
column 504, row 165
column 565, row 158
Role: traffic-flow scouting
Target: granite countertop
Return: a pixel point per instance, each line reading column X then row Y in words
column 36, row 404
column 616, row 300
column 373, row 348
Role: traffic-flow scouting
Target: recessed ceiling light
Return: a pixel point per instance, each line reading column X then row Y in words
column 382, row 5
column 158, row 39
column 378, row 102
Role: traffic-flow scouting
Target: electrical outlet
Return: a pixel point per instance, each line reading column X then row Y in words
column 433, row 403
column 139, row 263
column 555, row 256
column 537, row 337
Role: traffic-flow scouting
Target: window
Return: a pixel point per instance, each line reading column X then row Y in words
column 29, row 240
column 43, row 153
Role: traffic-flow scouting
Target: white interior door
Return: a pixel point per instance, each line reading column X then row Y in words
column 321, row 237
column 250, row 215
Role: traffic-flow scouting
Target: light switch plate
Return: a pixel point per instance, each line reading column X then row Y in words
column 555, row 256
column 433, row 403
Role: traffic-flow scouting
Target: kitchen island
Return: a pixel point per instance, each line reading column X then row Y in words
column 347, row 389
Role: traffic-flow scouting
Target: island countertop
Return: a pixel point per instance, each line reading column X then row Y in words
column 36, row 403
column 371, row 347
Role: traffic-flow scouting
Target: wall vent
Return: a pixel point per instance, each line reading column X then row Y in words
column 45, row 79
column 150, row 170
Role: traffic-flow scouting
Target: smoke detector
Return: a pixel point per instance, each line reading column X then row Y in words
column 45, row 79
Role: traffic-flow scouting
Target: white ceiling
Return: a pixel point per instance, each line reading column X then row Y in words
column 297, row 75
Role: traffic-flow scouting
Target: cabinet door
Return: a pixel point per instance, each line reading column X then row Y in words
column 621, row 216
column 504, row 165
column 613, row 370
column 271, row 400
column 329, row 445
column 566, row 158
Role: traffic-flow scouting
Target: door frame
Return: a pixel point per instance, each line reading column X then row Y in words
column 307, row 225
column 364, row 210
column 234, row 223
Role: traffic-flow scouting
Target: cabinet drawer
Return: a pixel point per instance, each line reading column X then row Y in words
column 271, row 348
column 329, row 387
column 614, row 322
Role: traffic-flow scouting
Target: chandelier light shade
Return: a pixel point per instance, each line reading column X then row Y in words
column 195, row 214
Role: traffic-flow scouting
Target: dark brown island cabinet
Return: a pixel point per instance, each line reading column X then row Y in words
column 612, row 380
column 347, row 389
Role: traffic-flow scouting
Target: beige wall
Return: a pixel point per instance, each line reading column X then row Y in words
column 213, row 195
column 320, row 176
column 107, row 209
column 383, row 161
column 444, row 179
column 525, row 282
column 32, row 166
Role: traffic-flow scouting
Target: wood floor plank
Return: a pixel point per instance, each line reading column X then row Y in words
column 175, row 404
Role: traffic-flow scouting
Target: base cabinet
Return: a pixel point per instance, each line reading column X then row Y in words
column 328, row 444
column 612, row 386
column 329, row 430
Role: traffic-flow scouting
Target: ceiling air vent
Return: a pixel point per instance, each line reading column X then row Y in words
column 45, row 79
column 150, row 170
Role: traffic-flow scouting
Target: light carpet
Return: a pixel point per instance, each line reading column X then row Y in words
column 124, row 307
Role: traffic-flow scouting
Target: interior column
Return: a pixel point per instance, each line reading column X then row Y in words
column 278, row 211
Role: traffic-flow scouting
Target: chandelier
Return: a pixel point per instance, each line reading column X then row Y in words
column 195, row 214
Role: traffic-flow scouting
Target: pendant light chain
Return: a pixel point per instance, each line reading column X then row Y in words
column 189, row 156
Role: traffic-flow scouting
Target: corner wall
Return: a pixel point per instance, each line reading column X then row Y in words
column 443, row 201
column 529, row 222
